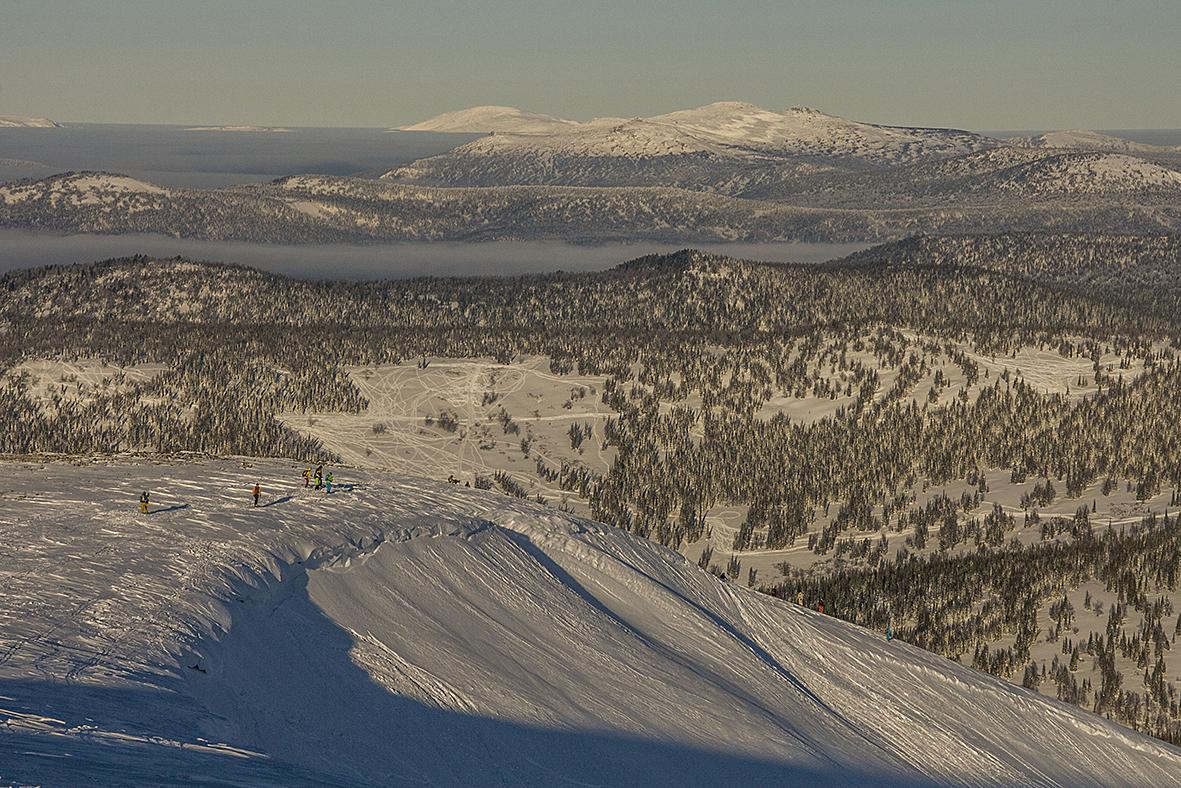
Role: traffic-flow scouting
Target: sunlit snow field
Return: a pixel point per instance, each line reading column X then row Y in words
column 403, row 631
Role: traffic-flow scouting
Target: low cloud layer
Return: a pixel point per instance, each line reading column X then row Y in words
column 19, row 249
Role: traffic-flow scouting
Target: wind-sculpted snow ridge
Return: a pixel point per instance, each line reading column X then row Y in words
column 404, row 631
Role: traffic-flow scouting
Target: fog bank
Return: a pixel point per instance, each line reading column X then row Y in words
column 25, row 249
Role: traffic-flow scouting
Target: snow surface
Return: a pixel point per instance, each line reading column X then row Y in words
column 406, row 631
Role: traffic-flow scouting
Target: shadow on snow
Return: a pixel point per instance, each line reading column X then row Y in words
column 281, row 682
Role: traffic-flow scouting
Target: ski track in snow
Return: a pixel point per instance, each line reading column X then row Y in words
column 406, row 631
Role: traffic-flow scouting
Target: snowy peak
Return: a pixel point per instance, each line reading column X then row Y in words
column 491, row 118
column 24, row 122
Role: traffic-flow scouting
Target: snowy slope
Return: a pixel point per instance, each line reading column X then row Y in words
column 1075, row 174
column 405, row 631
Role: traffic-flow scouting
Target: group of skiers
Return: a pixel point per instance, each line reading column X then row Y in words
column 323, row 481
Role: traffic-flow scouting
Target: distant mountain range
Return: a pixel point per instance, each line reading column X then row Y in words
column 322, row 209
column 722, row 139
column 799, row 156
column 728, row 171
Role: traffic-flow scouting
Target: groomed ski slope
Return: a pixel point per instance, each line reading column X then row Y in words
column 409, row 632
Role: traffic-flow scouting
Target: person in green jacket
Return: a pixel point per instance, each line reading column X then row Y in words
column 328, row 483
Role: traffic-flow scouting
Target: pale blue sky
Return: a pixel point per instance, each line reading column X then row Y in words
column 981, row 64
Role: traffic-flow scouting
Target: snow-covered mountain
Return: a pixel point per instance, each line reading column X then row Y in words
column 1083, row 139
column 606, row 151
column 1091, row 173
column 405, row 631
column 81, row 188
column 487, row 119
column 998, row 174
column 24, row 122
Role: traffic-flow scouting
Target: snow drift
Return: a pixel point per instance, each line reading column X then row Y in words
column 412, row 632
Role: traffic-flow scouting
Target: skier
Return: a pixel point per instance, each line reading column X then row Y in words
column 307, row 477
column 144, row 499
column 800, row 598
column 451, row 479
column 257, row 491
column 319, row 476
column 820, row 607
column 328, row 483
column 889, row 631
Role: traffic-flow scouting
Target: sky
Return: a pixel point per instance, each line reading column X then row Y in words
column 977, row 64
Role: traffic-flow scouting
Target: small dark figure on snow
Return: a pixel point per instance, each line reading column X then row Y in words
column 144, row 500
column 451, row 478
column 256, row 492
column 319, row 476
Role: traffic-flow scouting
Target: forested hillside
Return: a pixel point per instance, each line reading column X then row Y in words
column 883, row 426
column 810, row 206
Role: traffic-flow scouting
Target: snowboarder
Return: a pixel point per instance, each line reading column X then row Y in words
column 257, row 491
column 144, row 499
column 328, row 483
column 319, row 476
column 307, row 477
